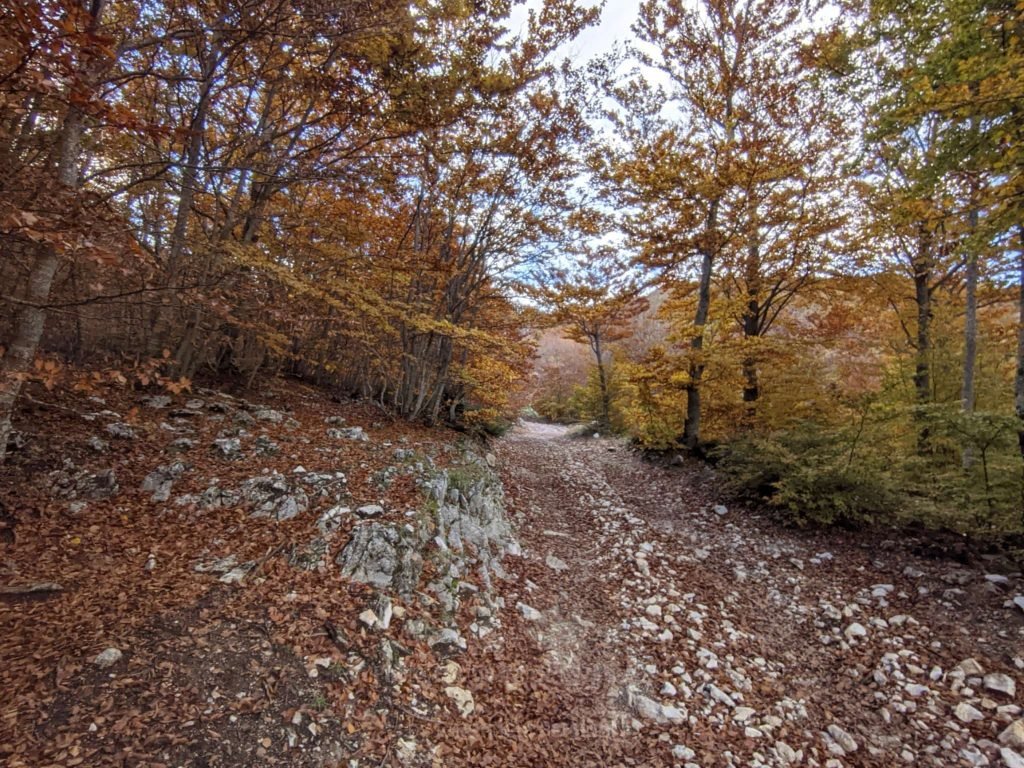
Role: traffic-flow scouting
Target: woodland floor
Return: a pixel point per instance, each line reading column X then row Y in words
column 671, row 631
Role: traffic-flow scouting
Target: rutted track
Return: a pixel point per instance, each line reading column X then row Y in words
column 678, row 633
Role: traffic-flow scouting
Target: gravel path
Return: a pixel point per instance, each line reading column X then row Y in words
column 647, row 624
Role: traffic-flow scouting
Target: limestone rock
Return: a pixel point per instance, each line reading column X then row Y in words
column 120, row 431
column 274, row 496
column 108, row 658
column 160, row 481
column 843, row 739
column 970, row 668
column 1013, row 735
column 1000, row 683
column 349, row 433
column 463, row 699
column 965, row 713
column 228, row 447
column 854, row 631
column 555, row 564
column 529, row 613
column 377, row 554
column 330, row 521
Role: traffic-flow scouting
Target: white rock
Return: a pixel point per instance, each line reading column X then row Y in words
column 720, row 510
column 369, row 618
column 646, row 707
column 1011, row 758
column 717, row 694
column 742, row 714
column 855, row 630
column 370, row 510
column 107, row 658
column 965, row 713
column 785, row 752
column 463, row 699
column 1000, row 683
column 680, row 752
column 668, row 689
column 653, row 610
column 974, row 757
column 555, row 564
column 528, row 613
column 971, row 668
column 843, row 739
column 1013, row 735
column 672, row 714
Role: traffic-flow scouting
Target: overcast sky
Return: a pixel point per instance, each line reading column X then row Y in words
column 616, row 18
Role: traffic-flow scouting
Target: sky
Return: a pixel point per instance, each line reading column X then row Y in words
column 616, row 18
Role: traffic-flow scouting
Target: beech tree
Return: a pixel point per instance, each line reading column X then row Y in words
column 727, row 165
column 593, row 304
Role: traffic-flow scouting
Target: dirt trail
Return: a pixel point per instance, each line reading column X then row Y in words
column 673, row 631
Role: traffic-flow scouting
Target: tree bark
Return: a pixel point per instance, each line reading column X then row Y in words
column 691, row 427
column 923, row 276
column 751, row 327
column 602, row 377
column 161, row 322
column 1018, row 382
column 970, row 336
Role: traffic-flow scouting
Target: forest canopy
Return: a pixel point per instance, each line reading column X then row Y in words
column 788, row 234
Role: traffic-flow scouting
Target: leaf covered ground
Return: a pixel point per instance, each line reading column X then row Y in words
column 642, row 622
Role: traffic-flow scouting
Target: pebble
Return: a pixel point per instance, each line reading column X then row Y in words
column 463, row 699
column 742, row 714
column 965, row 713
column 1013, row 735
column 971, row 668
column 997, row 682
column 108, row 658
column 843, row 739
column 786, row 752
column 529, row 613
column 855, row 630
column 681, row 752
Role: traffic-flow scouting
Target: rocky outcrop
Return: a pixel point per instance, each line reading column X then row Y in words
column 462, row 531
column 383, row 556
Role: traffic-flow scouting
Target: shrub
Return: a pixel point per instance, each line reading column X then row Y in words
column 812, row 474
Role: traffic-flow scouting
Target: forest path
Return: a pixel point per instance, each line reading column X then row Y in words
column 674, row 631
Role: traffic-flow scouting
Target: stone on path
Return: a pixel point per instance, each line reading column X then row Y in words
column 108, row 658
column 843, row 739
column 555, row 564
column 529, row 613
column 965, row 713
column 1000, row 683
column 463, row 699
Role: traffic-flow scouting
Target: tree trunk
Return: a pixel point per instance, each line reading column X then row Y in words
column 602, row 378
column 691, row 427
column 161, row 322
column 751, row 327
column 922, row 366
column 31, row 317
column 1018, row 382
column 970, row 336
